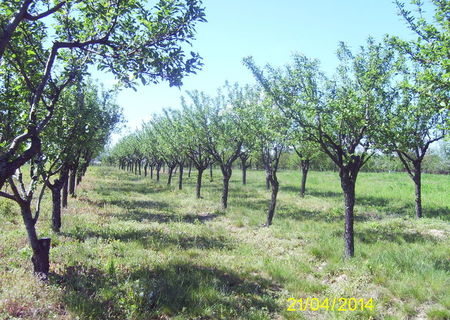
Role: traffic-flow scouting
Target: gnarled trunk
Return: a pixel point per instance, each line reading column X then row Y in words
column 158, row 169
column 305, row 168
column 348, row 187
column 73, row 175
column 244, row 168
column 226, row 172
column 41, row 257
column 418, row 188
column 56, row 209
column 169, row 180
column 199, row 182
column 40, row 247
column 180, row 177
column 273, row 199
column 267, row 182
column 65, row 191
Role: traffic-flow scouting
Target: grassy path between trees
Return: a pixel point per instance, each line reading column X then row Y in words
column 134, row 249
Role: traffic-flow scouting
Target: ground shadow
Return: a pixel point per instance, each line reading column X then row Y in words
column 127, row 187
column 179, row 289
column 394, row 235
column 140, row 216
column 153, row 239
column 442, row 213
column 139, row 204
column 128, row 204
column 251, row 203
column 312, row 192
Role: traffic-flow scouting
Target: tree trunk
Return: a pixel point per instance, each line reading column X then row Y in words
column 40, row 247
column 226, row 172
column 190, row 168
column 199, row 182
column 211, row 172
column 418, row 188
column 169, row 180
column 73, row 174
column 180, row 177
column 139, row 165
column 158, row 169
column 267, row 182
column 65, row 191
column 244, row 171
column 273, row 200
column 226, row 182
column 145, row 169
column 151, row 172
column 348, row 187
column 305, row 168
column 56, row 209
column 41, row 257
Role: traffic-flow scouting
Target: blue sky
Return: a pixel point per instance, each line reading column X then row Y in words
column 270, row 31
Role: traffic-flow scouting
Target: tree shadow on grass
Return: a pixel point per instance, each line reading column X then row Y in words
column 312, row 192
column 146, row 216
column 298, row 214
column 399, row 236
column 128, row 204
column 129, row 187
column 153, row 239
column 442, row 213
column 177, row 289
column 251, row 203
column 335, row 214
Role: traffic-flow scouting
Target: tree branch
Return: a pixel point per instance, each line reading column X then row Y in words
column 7, row 195
column 10, row 28
column 28, row 16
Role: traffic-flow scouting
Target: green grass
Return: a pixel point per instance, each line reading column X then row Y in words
column 134, row 249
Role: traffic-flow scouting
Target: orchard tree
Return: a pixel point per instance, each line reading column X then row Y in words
column 339, row 115
column 270, row 131
column 166, row 142
column 169, row 131
column 194, row 140
column 151, row 149
column 246, row 163
column 221, row 130
column 130, row 39
column 306, row 150
column 85, row 132
column 411, row 126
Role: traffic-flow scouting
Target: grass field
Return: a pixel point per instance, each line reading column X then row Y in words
column 134, row 249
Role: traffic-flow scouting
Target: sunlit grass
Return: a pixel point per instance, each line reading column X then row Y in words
column 130, row 248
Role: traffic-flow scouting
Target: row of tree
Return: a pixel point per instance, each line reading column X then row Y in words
column 53, row 120
column 385, row 98
column 436, row 161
